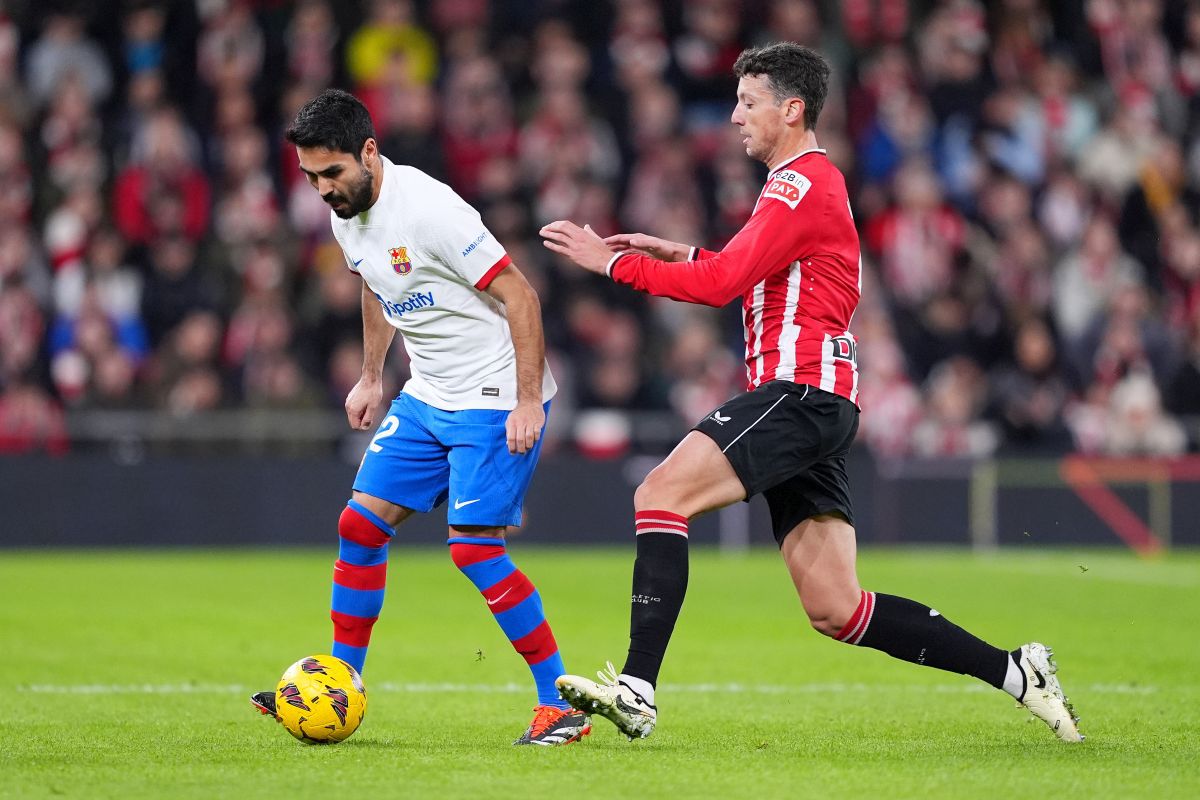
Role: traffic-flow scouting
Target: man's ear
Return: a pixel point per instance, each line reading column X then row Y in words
column 369, row 151
column 794, row 111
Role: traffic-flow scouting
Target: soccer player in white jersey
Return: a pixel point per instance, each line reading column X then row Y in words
column 467, row 426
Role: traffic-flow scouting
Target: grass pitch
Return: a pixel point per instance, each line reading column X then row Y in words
column 128, row 674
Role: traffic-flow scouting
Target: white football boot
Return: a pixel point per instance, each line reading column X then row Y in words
column 612, row 699
column 1043, row 695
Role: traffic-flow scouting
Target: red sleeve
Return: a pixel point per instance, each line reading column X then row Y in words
column 771, row 239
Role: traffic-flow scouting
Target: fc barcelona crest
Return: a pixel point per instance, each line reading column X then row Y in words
column 400, row 260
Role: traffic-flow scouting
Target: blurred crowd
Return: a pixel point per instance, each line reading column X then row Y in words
column 1024, row 174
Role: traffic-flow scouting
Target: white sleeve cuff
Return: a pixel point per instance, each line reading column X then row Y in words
column 609, row 267
column 693, row 252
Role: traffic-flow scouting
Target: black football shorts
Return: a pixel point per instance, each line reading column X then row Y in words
column 788, row 441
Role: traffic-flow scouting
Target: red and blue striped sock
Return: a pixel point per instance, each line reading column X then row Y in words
column 359, row 577
column 517, row 606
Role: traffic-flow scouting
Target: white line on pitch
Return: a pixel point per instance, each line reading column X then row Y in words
column 516, row 688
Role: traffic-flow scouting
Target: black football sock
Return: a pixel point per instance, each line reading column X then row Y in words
column 912, row 632
column 660, row 575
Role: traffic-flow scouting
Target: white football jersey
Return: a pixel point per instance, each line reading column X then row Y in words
column 427, row 257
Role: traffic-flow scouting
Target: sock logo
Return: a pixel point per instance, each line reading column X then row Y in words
column 501, row 597
column 645, row 599
column 933, row 612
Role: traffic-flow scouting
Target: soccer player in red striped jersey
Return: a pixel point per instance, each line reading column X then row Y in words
column 796, row 267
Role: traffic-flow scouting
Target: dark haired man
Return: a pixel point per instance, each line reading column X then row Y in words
column 467, row 425
column 796, row 267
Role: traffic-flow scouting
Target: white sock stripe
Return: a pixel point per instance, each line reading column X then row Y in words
column 866, row 604
column 866, row 617
column 645, row 520
column 862, row 604
column 675, row 531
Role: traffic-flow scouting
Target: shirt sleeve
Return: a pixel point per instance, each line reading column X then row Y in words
column 460, row 240
column 785, row 220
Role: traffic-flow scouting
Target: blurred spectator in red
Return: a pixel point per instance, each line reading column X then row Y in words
column 478, row 119
column 30, row 421
column 896, row 404
column 162, row 191
column 1128, row 339
column 246, row 209
column 70, row 138
column 918, row 239
column 70, row 226
column 874, row 22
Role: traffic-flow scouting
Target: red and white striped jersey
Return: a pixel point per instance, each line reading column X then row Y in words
column 797, row 266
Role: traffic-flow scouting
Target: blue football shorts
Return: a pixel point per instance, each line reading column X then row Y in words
column 422, row 456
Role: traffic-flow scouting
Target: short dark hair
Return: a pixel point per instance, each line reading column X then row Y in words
column 792, row 70
column 335, row 120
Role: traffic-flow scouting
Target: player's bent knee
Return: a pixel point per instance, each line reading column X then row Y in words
column 825, row 625
column 828, row 618
column 360, row 528
column 657, row 492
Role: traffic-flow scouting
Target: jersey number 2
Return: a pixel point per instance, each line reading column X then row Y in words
column 390, row 425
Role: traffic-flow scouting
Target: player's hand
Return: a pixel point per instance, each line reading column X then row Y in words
column 363, row 401
column 581, row 245
column 524, row 427
column 648, row 245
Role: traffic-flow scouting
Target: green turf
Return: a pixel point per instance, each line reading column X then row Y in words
column 131, row 671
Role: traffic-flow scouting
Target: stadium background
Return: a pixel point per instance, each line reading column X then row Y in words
column 177, row 329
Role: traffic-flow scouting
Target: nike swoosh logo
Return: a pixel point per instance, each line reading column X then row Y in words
column 458, row 505
column 501, row 597
column 356, row 263
column 1041, row 680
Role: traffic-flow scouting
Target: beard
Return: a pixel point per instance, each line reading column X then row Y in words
column 357, row 200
